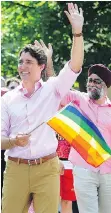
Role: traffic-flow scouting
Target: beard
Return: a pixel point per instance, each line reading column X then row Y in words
column 95, row 93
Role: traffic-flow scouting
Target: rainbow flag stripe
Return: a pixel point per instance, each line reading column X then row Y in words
column 82, row 134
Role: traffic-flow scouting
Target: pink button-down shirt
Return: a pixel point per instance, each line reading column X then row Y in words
column 101, row 116
column 21, row 114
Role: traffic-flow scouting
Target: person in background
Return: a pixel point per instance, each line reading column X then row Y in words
column 93, row 185
column 67, row 192
column 3, row 81
column 32, row 165
column 3, row 91
column 12, row 83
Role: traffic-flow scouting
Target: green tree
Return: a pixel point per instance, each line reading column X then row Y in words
column 25, row 21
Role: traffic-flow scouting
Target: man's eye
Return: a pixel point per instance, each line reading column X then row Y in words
column 97, row 81
column 20, row 62
column 28, row 62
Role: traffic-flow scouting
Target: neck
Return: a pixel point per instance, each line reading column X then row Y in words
column 100, row 101
column 29, row 86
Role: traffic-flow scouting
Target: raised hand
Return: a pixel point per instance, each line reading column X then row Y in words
column 48, row 50
column 75, row 17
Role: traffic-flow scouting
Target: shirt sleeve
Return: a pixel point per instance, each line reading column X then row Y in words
column 5, row 121
column 65, row 80
column 72, row 96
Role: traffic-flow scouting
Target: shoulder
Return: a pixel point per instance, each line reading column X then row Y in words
column 50, row 83
column 51, row 79
column 7, row 97
column 78, row 94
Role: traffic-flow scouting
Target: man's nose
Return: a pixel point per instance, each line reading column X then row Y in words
column 92, row 83
column 23, row 66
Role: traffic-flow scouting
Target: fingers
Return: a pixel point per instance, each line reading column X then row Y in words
column 45, row 47
column 42, row 44
column 36, row 43
column 68, row 16
column 22, row 139
column 70, row 7
column 50, row 48
column 81, row 11
column 22, row 135
column 73, row 8
column 76, row 8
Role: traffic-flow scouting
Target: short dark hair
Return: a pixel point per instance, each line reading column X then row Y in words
column 36, row 52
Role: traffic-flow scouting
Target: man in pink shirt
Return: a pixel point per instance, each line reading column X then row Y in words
column 93, row 185
column 32, row 166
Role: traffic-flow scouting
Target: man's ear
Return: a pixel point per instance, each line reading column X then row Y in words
column 42, row 67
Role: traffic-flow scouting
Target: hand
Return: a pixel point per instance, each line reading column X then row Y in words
column 22, row 140
column 48, row 50
column 75, row 17
column 61, row 168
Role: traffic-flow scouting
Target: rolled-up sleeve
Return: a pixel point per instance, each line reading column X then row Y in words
column 5, row 122
column 65, row 80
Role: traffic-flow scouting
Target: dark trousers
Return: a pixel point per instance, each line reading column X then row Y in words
column 2, row 168
column 75, row 207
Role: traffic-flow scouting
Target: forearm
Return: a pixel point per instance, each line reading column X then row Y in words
column 77, row 54
column 7, row 143
column 50, row 69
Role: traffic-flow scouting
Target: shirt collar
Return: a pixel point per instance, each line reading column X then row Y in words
column 38, row 84
column 107, row 102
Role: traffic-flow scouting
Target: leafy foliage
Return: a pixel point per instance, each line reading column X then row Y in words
column 25, row 21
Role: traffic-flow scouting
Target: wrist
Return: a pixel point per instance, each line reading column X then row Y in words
column 77, row 34
column 49, row 59
column 76, row 31
column 12, row 142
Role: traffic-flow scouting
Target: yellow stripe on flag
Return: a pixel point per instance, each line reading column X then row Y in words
column 73, row 129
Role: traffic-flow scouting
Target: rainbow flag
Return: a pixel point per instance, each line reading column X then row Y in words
column 82, row 135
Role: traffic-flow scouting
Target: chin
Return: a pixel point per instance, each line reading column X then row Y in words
column 94, row 96
column 25, row 80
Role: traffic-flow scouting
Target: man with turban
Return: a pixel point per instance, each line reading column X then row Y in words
column 93, row 185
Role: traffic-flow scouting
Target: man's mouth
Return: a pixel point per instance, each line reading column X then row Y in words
column 24, row 73
column 92, row 88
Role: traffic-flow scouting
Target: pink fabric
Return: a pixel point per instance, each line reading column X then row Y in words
column 101, row 116
column 21, row 114
column 4, row 90
column 31, row 209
